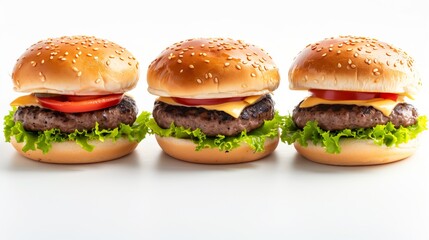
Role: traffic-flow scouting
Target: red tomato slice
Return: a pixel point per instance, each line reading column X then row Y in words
column 206, row 101
column 351, row 95
column 65, row 104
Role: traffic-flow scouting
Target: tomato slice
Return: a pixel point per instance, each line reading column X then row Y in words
column 76, row 104
column 350, row 95
column 206, row 101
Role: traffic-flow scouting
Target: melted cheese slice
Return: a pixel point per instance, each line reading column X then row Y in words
column 27, row 100
column 232, row 108
column 385, row 106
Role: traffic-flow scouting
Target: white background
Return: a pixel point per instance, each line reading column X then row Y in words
column 148, row 195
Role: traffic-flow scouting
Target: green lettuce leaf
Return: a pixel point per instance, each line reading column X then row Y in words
column 43, row 139
column 381, row 134
column 255, row 139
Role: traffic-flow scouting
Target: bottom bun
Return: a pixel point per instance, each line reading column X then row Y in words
column 184, row 149
column 358, row 153
column 72, row 153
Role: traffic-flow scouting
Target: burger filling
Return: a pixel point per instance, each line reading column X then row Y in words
column 213, row 122
column 36, row 118
column 339, row 117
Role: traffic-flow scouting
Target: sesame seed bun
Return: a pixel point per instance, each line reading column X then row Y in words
column 184, row 149
column 354, row 64
column 212, row 68
column 356, row 152
column 71, row 153
column 77, row 65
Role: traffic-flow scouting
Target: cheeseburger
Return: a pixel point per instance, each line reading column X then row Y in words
column 76, row 110
column 215, row 103
column 356, row 113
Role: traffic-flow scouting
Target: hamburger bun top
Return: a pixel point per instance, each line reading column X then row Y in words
column 350, row 63
column 212, row 68
column 75, row 65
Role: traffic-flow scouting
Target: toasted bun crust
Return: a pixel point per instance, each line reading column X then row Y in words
column 184, row 150
column 358, row 153
column 354, row 64
column 212, row 68
column 77, row 65
column 71, row 153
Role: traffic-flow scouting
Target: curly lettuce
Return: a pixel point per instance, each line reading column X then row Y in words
column 255, row 139
column 387, row 134
column 43, row 140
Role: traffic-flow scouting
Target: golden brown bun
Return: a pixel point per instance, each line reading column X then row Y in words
column 184, row 149
column 212, row 68
column 358, row 153
column 77, row 65
column 354, row 64
column 72, row 153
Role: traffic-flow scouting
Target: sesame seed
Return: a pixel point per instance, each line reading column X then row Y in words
column 98, row 80
column 340, row 45
column 375, row 60
column 216, row 80
column 353, row 66
column 51, row 57
column 179, row 61
column 33, row 63
column 238, row 67
column 192, row 53
column 387, row 62
column 210, row 75
column 96, row 57
column 95, row 49
column 356, row 55
column 226, row 64
column 38, row 54
column 349, row 49
column 108, row 62
column 324, row 55
column 229, row 58
column 79, row 74
column 75, row 69
column 319, row 49
column 89, row 55
column 66, row 53
column 388, row 54
column 199, row 81
column 339, row 51
column 181, row 70
column 43, row 61
column 339, row 65
column 377, row 73
column 350, row 61
column 74, row 61
column 191, row 66
column 253, row 74
column 122, row 58
column 330, row 49
column 42, row 77
column 375, row 70
column 130, row 63
column 206, row 61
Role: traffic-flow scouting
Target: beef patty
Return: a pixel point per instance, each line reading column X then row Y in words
column 39, row 119
column 338, row 117
column 213, row 122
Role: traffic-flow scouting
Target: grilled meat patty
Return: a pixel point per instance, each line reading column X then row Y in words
column 338, row 117
column 213, row 122
column 39, row 119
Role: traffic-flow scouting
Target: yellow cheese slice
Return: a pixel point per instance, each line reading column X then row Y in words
column 26, row 100
column 232, row 108
column 385, row 106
